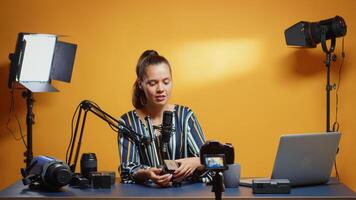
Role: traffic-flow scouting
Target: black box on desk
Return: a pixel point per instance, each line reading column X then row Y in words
column 102, row 179
column 271, row 186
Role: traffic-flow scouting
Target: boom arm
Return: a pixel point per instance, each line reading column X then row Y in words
column 115, row 124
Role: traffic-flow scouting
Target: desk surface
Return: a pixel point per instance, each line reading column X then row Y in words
column 332, row 190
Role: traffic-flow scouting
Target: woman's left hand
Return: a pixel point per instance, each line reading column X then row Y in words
column 186, row 168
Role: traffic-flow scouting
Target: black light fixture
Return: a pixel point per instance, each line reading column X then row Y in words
column 309, row 35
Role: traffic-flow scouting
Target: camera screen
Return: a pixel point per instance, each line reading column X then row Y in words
column 215, row 161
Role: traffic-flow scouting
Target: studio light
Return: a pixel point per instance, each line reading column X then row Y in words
column 38, row 59
column 309, row 34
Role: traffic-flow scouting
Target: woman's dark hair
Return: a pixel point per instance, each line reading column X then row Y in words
column 148, row 57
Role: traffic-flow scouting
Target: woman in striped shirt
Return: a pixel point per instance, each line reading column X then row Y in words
column 152, row 91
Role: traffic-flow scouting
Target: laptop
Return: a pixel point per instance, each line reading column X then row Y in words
column 304, row 159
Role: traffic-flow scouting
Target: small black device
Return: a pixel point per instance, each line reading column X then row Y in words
column 46, row 173
column 169, row 166
column 271, row 186
column 102, row 179
column 79, row 181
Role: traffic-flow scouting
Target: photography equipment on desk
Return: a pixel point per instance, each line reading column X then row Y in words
column 46, row 173
column 215, row 157
column 309, row 34
column 102, row 179
column 89, row 176
column 39, row 59
column 271, row 186
column 88, row 164
column 89, row 106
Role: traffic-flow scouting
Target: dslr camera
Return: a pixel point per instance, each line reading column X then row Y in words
column 216, row 156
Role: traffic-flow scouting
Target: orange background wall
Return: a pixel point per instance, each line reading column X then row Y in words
column 230, row 65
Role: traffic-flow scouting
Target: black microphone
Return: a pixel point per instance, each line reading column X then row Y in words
column 166, row 132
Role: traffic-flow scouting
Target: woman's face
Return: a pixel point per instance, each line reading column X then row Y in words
column 157, row 84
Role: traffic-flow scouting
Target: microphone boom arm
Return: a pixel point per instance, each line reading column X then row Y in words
column 115, row 124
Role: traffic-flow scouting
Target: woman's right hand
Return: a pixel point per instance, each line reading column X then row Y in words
column 153, row 173
column 161, row 180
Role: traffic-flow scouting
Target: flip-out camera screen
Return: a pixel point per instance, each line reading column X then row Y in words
column 214, row 161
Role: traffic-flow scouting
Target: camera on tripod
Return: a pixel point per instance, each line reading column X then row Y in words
column 216, row 156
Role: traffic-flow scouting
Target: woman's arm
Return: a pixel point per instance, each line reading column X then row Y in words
column 129, row 156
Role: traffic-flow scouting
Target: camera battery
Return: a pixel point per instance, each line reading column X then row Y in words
column 102, row 179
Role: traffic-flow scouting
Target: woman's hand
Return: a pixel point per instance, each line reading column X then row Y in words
column 154, row 174
column 186, row 168
column 161, row 180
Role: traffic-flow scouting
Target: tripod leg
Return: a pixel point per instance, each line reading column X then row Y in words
column 218, row 186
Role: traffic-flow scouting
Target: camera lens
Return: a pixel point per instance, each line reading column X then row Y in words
column 57, row 175
column 88, row 163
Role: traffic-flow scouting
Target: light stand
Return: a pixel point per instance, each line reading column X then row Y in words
column 27, row 94
column 328, row 53
column 309, row 35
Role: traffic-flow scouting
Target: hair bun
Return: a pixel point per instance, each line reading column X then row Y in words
column 149, row 53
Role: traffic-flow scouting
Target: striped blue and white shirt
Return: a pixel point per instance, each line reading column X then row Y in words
column 185, row 141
